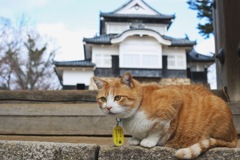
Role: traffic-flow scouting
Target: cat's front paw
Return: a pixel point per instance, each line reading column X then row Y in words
column 133, row 141
column 148, row 143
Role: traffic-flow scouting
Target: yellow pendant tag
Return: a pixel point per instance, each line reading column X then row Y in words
column 118, row 136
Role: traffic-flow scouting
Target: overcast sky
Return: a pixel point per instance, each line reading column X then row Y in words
column 68, row 21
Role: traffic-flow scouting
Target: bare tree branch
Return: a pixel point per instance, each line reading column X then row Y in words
column 25, row 62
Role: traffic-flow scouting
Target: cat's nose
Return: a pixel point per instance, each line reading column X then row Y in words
column 108, row 108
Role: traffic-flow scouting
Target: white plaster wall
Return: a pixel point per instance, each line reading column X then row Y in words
column 198, row 66
column 73, row 77
column 160, row 28
column 141, row 46
column 176, row 51
column 105, row 50
column 116, row 28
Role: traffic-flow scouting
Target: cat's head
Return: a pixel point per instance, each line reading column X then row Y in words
column 119, row 97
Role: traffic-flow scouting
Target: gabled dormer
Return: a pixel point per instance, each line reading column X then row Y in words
column 136, row 7
column 134, row 14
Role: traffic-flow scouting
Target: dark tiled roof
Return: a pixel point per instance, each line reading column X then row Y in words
column 197, row 57
column 106, row 39
column 102, row 39
column 179, row 41
column 80, row 63
column 140, row 16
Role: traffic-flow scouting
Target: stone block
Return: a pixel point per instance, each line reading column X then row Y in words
column 162, row 153
column 18, row 150
column 133, row 153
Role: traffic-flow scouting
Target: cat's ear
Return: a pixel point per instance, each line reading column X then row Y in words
column 99, row 82
column 127, row 79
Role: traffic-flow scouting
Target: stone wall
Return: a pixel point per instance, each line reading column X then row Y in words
column 161, row 81
column 175, row 81
column 67, row 151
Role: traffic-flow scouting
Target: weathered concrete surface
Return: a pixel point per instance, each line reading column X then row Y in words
column 19, row 150
column 162, row 153
column 63, row 139
column 136, row 153
column 68, row 139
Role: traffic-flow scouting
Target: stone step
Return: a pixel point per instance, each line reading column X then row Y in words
column 54, row 119
column 64, row 119
column 45, row 150
column 99, row 140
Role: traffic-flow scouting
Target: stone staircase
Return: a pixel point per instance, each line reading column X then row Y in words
column 73, row 116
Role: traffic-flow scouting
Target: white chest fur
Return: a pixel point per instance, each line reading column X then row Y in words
column 138, row 125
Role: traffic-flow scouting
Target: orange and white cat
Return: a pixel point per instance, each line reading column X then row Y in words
column 189, row 118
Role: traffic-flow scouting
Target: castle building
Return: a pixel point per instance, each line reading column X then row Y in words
column 134, row 38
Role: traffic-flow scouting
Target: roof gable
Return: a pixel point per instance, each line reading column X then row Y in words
column 134, row 10
column 140, row 32
column 136, row 7
column 115, row 38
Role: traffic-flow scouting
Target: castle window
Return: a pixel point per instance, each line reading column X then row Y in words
column 102, row 60
column 176, row 61
column 131, row 60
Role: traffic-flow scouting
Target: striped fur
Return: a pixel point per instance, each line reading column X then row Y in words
column 189, row 118
column 198, row 148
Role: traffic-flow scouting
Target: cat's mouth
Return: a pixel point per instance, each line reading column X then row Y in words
column 111, row 113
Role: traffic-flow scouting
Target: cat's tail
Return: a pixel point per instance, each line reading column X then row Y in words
column 198, row 148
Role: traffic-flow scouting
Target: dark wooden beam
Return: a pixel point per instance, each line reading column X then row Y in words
column 80, row 96
column 48, row 96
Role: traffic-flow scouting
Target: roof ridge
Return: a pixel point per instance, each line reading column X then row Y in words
column 119, row 8
column 159, row 16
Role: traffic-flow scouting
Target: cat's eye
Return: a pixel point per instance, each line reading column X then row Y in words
column 103, row 99
column 117, row 98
